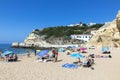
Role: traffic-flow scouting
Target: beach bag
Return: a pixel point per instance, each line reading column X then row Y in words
column 109, row 56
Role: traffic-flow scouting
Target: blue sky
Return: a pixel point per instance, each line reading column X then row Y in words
column 19, row 17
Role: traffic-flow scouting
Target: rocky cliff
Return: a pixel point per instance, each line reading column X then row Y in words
column 36, row 40
column 107, row 35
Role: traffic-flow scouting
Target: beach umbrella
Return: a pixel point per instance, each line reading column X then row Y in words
column 77, row 55
column 38, row 51
column 73, row 46
column 82, row 48
column 61, row 50
column 42, row 53
column 69, row 47
column 68, row 51
column 105, row 48
column 7, row 53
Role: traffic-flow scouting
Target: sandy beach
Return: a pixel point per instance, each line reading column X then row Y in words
column 27, row 69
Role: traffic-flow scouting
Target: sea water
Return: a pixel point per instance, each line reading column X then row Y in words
column 22, row 51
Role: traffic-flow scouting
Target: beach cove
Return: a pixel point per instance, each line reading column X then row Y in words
column 27, row 69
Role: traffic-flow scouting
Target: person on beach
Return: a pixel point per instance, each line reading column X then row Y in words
column 7, row 57
column 55, row 54
column 68, row 53
column 35, row 52
column 0, row 52
column 45, row 57
column 1, row 58
column 15, row 57
column 88, row 61
column 28, row 54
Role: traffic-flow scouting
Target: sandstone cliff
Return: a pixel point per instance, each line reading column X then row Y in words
column 107, row 35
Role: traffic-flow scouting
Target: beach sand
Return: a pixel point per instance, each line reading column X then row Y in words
column 27, row 69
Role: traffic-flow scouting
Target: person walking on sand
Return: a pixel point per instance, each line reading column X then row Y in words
column 1, row 58
column 0, row 52
column 35, row 52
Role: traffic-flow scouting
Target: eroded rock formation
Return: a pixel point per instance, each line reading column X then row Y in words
column 108, row 35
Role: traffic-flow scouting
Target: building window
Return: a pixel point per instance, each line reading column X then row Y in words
column 85, row 36
column 78, row 36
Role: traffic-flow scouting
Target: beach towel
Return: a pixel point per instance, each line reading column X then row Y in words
column 70, row 66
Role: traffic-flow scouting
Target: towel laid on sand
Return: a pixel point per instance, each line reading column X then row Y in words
column 72, row 66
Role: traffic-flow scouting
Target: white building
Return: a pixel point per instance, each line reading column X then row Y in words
column 85, row 37
column 71, row 25
column 91, row 24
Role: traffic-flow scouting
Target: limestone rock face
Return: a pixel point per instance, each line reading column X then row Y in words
column 36, row 40
column 107, row 35
column 118, row 20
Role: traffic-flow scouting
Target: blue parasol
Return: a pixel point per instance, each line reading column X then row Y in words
column 61, row 50
column 7, row 53
column 69, row 47
column 42, row 53
column 77, row 55
column 105, row 48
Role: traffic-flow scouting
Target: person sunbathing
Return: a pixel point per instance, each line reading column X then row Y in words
column 88, row 62
column 45, row 57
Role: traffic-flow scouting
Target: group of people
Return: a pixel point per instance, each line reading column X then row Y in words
column 8, row 57
column 11, row 57
column 53, row 57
